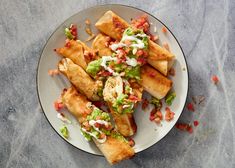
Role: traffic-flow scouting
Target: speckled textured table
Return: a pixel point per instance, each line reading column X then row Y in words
column 206, row 31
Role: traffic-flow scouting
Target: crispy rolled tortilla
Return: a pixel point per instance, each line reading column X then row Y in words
column 125, row 123
column 99, row 44
column 73, row 51
column 114, row 149
column 80, row 79
column 154, row 82
column 112, row 25
column 150, row 84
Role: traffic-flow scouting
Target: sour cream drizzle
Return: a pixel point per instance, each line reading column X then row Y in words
column 105, row 59
column 92, row 123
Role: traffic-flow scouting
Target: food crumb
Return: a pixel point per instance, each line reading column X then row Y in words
column 53, row 72
column 172, row 72
column 166, row 46
column 183, row 68
column 87, row 22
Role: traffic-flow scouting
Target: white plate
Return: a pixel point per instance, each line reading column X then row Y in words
column 49, row 88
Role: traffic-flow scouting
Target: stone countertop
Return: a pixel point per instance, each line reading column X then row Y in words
column 206, row 32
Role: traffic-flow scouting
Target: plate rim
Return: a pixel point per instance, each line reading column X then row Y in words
column 115, row 4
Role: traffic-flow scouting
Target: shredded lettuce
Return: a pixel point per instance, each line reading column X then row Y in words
column 68, row 34
column 170, row 98
column 133, row 72
column 156, row 102
column 64, row 131
column 118, row 136
column 97, row 112
column 129, row 31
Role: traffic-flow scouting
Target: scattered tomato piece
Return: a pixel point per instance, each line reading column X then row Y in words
column 145, row 104
column 215, row 79
column 131, row 142
column 58, row 105
column 181, row 126
column 169, row 114
column 190, row 107
column 195, row 123
column 164, row 29
column 190, row 129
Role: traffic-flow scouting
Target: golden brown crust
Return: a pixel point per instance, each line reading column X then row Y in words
column 114, row 149
column 154, row 82
column 158, row 56
column 112, row 23
column 125, row 123
column 99, row 44
column 79, row 78
column 74, row 52
column 76, row 104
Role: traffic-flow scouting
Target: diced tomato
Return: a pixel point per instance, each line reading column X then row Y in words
column 98, row 103
column 190, row 129
column 141, row 61
column 73, row 30
column 139, row 53
column 184, row 127
column 68, row 44
column 195, row 123
column 131, row 142
column 145, row 104
column 157, row 120
column 105, row 73
column 152, row 115
column 145, row 54
column 164, row 29
column 97, row 125
column 190, row 107
column 58, row 105
column 121, row 53
column 133, row 98
column 159, row 114
column 141, row 23
column 181, row 126
column 169, row 114
column 215, row 79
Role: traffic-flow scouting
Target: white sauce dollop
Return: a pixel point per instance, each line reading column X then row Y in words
column 131, row 61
